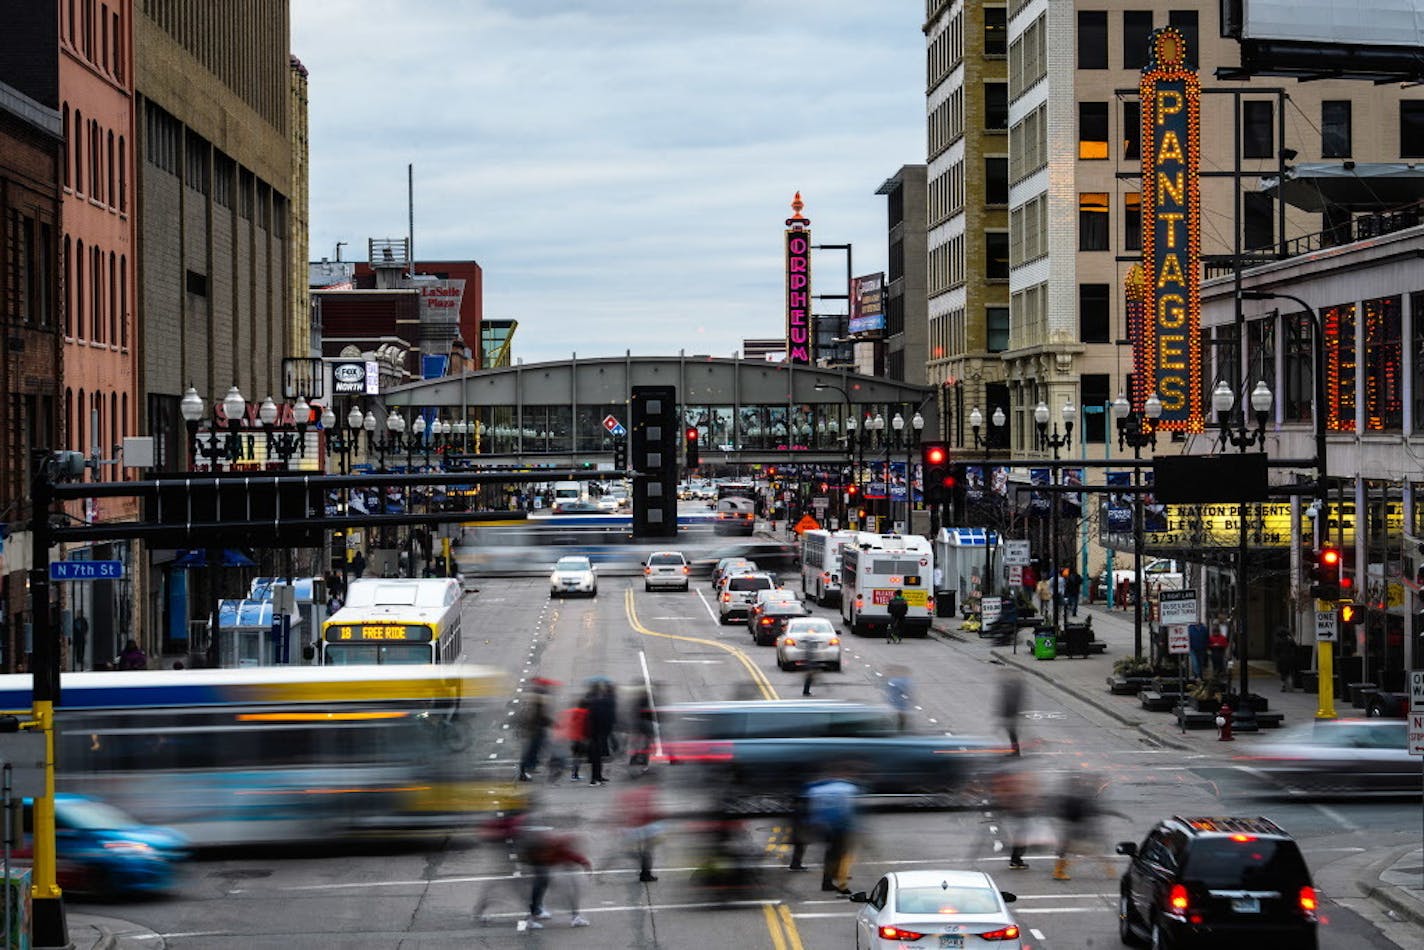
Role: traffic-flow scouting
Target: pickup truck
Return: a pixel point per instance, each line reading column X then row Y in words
column 770, row 749
column 1159, row 574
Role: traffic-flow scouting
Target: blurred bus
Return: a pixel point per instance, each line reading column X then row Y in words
column 873, row 567
column 821, row 564
column 395, row 621
column 276, row 754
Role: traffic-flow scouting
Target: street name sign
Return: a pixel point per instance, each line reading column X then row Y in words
column 1177, row 606
column 85, row 570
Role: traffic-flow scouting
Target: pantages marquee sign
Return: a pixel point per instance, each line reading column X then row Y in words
column 1167, row 350
column 798, row 285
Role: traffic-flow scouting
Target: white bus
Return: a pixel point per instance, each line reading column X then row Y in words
column 394, row 621
column 821, row 564
column 873, row 567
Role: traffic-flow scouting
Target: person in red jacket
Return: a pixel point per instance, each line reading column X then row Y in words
column 571, row 733
column 543, row 851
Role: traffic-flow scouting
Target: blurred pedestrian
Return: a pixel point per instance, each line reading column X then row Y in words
column 602, row 720
column 1073, row 591
column 642, row 732
column 543, row 852
column 1217, row 642
column 133, row 657
column 358, row 565
column 831, row 809
column 1124, row 591
column 1285, row 653
column 1078, row 808
column 534, row 723
column 809, row 680
column 571, row 741
column 899, row 693
column 1016, row 804
column 1197, row 637
column 1010, row 705
column 800, row 828
column 1043, row 593
column 897, row 608
column 80, row 634
column 642, row 822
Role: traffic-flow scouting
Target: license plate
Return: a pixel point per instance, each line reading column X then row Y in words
column 951, row 940
column 1246, row 905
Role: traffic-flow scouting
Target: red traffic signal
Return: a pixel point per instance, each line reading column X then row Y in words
column 1325, row 574
column 935, row 454
column 691, row 434
column 693, row 456
column 936, row 470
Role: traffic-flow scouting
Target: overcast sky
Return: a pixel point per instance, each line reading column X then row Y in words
column 621, row 169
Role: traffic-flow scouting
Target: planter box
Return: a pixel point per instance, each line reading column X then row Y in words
column 1128, row 685
column 1206, row 705
column 1158, row 702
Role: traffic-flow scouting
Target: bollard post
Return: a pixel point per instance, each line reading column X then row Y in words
column 1223, row 724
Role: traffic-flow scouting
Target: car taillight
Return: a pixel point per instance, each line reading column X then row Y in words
column 698, row 751
column 647, row 570
column 1010, row 932
column 1308, row 902
column 788, row 642
column 929, row 604
column 767, row 621
column 726, row 598
column 686, row 569
column 1177, row 898
column 888, row 932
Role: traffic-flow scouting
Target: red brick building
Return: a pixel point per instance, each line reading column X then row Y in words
column 471, row 304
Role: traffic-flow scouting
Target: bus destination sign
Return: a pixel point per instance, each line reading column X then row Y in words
column 404, row 633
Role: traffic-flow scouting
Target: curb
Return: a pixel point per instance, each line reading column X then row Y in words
column 1381, row 895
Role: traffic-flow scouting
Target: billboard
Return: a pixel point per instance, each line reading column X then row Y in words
column 1167, row 354
column 798, row 285
column 1364, row 40
column 867, row 304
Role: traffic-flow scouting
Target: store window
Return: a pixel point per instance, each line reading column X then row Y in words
column 1384, row 364
column 1340, row 367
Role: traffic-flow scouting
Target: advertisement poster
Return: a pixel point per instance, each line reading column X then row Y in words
column 1119, row 504
column 1038, row 504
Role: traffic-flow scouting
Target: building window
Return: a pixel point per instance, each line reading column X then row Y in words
column 1411, row 128
column 1335, row 128
column 66, row 148
column 123, row 302
column 996, row 323
column 1093, row 221
column 1384, row 365
column 1092, row 39
column 996, row 255
column 1092, row 130
column 79, row 264
column 996, row 105
column 113, row 298
column 1094, row 392
column 1132, row 221
column 1093, row 313
column 1416, row 309
column 1136, row 38
column 110, row 156
column 1340, row 369
column 1186, row 22
column 1132, row 130
column 123, row 177
column 1299, row 367
column 996, row 32
column 1258, row 134
column 78, row 136
column 68, row 287
column 1259, row 227
column 996, row 181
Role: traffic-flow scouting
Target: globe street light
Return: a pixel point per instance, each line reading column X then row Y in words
column 1069, row 414
column 1138, row 432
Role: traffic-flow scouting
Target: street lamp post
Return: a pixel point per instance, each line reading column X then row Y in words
column 1236, row 432
column 1055, row 442
column 917, row 425
column 1138, row 431
column 284, row 445
column 897, row 425
column 877, row 427
column 976, row 422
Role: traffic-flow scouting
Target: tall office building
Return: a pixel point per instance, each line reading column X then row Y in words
column 968, row 194
column 906, row 350
column 1074, row 162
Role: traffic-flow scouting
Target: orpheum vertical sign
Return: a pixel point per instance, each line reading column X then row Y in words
column 1168, row 351
column 798, row 285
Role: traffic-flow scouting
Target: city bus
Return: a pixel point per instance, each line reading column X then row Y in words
column 288, row 753
column 395, row 621
column 873, row 567
column 821, row 564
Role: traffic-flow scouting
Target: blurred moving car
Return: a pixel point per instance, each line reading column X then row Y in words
column 1196, row 882
column 737, row 594
column 607, row 503
column 720, row 569
column 1335, row 756
column 768, row 617
column 576, row 506
column 105, row 851
column 809, row 642
column 573, row 575
column 666, row 569
column 935, row 909
column 735, row 516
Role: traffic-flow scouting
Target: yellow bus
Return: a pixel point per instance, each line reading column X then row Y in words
column 395, row 621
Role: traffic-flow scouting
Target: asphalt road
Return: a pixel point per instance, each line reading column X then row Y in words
column 422, row 894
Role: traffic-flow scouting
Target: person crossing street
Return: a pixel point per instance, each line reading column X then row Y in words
column 898, row 608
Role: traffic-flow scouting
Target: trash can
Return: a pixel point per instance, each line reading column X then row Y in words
column 944, row 603
column 1077, row 637
column 1045, row 644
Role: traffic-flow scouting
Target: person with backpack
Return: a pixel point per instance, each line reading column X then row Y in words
column 898, row 608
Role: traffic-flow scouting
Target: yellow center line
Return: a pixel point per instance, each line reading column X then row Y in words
column 758, row 677
column 774, row 926
column 793, row 938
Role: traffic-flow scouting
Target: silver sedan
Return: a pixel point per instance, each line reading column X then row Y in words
column 935, row 909
column 808, row 641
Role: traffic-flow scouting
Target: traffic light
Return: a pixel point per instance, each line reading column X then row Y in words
column 1325, row 574
column 620, row 455
column 938, row 473
column 1350, row 613
column 694, row 458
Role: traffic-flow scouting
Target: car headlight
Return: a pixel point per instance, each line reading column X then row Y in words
column 137, row 847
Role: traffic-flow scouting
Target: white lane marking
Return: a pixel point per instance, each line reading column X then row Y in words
column 697, row 662
column 1037, row 934
column 715, row 619
column 1337, row 817
column 1059, row 910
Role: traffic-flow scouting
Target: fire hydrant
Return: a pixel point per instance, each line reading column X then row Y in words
column 1223, row 724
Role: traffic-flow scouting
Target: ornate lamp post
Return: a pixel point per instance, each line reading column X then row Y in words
column 976, row 422
column 1069, row 414
column 1234, row 430
column 1138, row 432
column 917, row 426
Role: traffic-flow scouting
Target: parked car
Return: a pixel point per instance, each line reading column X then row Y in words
column 1157, row 574
column 573, row 575
column 809, row 641
column 104, row 851
column 941, row 908
column 1196, row 882
column 666, row 569
column 1337, row 756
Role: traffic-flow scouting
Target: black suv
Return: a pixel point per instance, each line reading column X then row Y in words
column 1218, row 881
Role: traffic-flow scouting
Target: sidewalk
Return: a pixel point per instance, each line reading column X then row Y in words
column 1394, row 881
column 89, row 932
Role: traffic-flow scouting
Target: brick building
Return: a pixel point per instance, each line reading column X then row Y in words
column 31, row 370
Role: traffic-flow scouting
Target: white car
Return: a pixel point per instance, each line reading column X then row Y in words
column 666, row 569
column 808, row 642
column 573, row 575
column 737, row 594
column 959, row 909
column 607, row 503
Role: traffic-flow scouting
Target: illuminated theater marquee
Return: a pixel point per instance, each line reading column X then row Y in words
column 1168, row 350
column 798, row 285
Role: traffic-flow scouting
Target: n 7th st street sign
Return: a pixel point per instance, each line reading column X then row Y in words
column 85, row 570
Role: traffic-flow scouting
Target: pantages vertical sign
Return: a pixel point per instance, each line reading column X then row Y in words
column 798, row 285
column 1167, row 353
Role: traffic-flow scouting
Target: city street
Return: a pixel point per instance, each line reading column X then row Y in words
column 423, row 894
